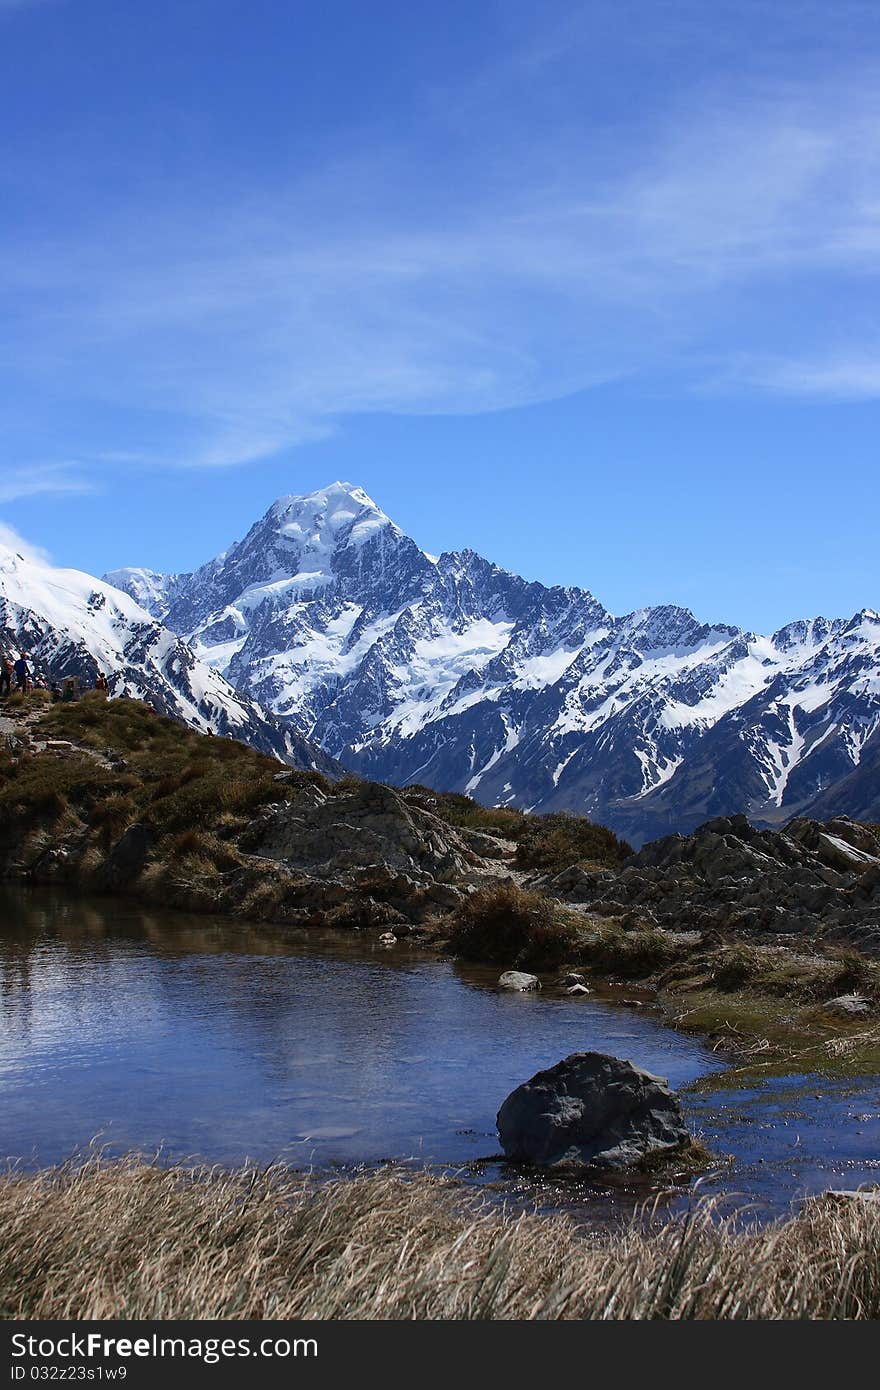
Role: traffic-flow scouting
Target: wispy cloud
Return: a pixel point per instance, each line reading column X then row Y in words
column 42, row 479
column 723, row 231
column 10, row 539
column 844, row 377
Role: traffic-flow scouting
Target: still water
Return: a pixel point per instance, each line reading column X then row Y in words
column 211, row 1040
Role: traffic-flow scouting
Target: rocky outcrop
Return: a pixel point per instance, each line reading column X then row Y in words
column 365, row 839
column 812, row 880
column 591, row 1111
column 359, row 825
column 288, row 846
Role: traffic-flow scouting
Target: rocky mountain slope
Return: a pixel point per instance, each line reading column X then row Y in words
column 858, row 793
column 73, row 624
column 452, row 672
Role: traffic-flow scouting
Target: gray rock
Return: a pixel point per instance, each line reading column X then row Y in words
column 853, row 1005
column 811, row 880
column 373, row 843
column 578, row 989
column 870, row 1195
column 361, row 826
column 518, row 980
column 594, row 1111
column 128, row 858
column 487, row 846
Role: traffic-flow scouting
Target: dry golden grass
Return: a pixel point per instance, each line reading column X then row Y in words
column 129, row 1240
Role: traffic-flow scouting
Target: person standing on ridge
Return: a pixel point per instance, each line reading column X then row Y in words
column 22, row 673
column 6, row 674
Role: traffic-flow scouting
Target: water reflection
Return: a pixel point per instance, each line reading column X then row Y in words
column 214, row 1040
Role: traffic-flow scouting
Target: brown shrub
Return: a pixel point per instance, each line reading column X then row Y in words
column 509, row 925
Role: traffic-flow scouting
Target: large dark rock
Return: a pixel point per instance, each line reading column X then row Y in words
column 591, row 1110
column 127, row 859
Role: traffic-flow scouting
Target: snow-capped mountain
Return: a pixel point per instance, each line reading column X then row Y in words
column 151, row 590
column 72, row 624
column 455, row 673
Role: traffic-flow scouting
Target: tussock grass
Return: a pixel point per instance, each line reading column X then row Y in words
column 776, row 971
column 510, row 925
column 515, row 926
column 631, row 951
column 128, row 1240
column 197, row 844
column 549, row 844
column 42, row 786
column 17, row 701
column 159, row 772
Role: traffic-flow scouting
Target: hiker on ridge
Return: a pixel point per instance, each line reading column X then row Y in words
column 22, row 673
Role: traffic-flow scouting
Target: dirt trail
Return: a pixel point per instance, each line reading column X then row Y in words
column 20, row 726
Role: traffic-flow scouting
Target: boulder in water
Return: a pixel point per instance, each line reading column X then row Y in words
column 518, row 980
column 591, row 1111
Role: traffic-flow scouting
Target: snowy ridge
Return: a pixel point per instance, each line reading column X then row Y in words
column 71, row 623
column 451, row 671
column 149, row 589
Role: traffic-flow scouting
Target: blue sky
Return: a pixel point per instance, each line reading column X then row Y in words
column 592, row 288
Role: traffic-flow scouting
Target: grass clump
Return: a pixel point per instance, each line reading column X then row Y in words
column 549, row 844
column 42, row 787
column 195, row 844
column 127, row 1240
column 512, row 926
column 626, row 950
column 776, row 971
column 515, row 926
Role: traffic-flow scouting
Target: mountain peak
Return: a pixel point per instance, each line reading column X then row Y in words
column 338, row 496
column 340, row 514
column 863, row 622
column 319, row 524
column 457, row 674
